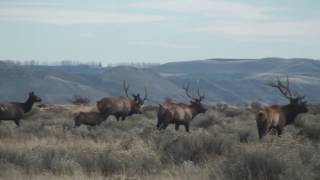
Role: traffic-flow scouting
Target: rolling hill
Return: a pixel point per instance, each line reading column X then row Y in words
column 221, row 80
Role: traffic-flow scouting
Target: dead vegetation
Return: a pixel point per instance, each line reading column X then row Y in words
column 219, row 146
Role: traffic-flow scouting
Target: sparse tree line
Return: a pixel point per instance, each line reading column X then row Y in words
column 33, row 62
column 96, row 64
column 271, row 118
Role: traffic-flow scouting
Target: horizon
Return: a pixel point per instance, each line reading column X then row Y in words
column 157, row 31
column 34, row 62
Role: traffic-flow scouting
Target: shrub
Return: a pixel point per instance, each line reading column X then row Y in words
column 309, row 125
column 196, row 148
column 79, row 100
column 255, row 166
column 256, row 105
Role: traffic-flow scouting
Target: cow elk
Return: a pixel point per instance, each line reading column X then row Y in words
column 88, row 118
column 14, row 111
column 180, row 113
column 122, row 106
column 276, row 117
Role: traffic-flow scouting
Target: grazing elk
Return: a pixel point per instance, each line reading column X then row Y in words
column 277, row 117
column 122, row 106
column 180, row 113
column 14, row 111
column 88, row 118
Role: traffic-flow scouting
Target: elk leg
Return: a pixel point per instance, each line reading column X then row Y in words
column 158, row 124
column 17, row 121
column 164, row 125
column 279, row 131
column 89, row 128
column 187, row 127
column 76, row 124
column 177, row 126
column 123, row 117
column 262, row 132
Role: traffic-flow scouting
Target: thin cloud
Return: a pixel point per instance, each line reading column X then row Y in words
column 288, row 30
column 12, row 3
column 70, row 17
column 166, row 45
column 209, row 8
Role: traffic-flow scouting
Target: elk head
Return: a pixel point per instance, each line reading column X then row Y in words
column 195, row 100
column 296, row 102
column 33, row 98
column 137, row 100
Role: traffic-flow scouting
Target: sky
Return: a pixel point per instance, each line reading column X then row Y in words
column 158, row 31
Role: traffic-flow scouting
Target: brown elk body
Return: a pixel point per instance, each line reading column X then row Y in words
column 88, row 118
column 179, row 113
column 121, row 106
column 14, row 111
column 276, row 117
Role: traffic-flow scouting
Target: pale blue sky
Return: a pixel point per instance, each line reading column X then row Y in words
column 117, row 31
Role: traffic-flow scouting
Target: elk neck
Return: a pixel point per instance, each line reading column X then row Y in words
column 290, row 113
column 27, row 106
column 194, row 111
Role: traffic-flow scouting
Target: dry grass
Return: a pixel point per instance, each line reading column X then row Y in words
column 221, row 145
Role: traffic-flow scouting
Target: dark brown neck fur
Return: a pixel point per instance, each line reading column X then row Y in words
column 290, row 113
column 194, row 111
column 27, row 106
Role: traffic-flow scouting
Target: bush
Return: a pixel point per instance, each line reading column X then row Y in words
column 255, row 166
column 79, row 100
column 196, row 148
column 309, row 126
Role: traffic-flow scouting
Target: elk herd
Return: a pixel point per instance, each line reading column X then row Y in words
column 274, row 117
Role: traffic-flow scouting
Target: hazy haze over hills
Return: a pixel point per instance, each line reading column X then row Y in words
column 221, row 80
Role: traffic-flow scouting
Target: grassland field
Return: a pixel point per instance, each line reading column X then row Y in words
column 221, row 145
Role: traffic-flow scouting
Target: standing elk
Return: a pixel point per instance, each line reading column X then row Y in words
column 180, row 113
column 14, row 111
column 122, row 106
column 277, row 117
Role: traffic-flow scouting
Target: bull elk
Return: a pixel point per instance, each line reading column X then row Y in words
column 14, row 111
column 180, row 113
column 122, row 106
column 277, row 117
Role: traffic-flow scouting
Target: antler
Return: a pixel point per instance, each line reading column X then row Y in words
column 285, row 89
column 199, row 98
column 186, row 89
column 145, row 94
column 125, row 87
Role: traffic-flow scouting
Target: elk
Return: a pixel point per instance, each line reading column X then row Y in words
column 180, row 113
column 276, row 117
column 122, row 106
column 14, row 111
column 88, row 118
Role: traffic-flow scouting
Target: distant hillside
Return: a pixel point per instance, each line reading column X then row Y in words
column 222, row 80
column 241, row 80
column 58, row 84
